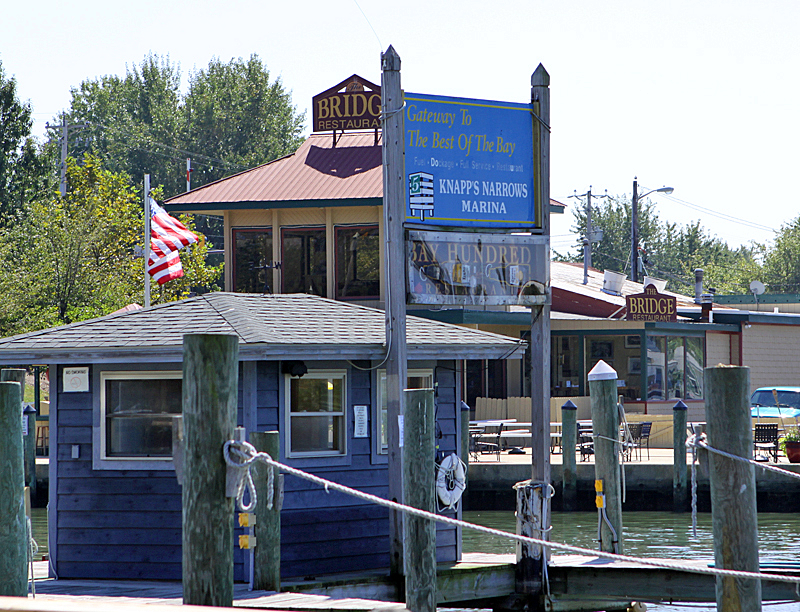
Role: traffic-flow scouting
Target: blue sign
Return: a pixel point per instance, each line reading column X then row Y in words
column 469, row 163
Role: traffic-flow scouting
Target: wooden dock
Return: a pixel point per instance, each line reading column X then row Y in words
column 483, row 580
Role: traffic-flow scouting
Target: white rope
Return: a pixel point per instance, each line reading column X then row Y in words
column 700, row 442
column 660, row 563
column 33, row 548
column 241, row 456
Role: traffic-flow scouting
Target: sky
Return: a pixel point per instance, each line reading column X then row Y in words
column 699, row 95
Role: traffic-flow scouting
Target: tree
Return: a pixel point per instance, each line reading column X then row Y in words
column 234, row 113
column 134, row 123
column 23, row 167
column 74, row 258
column 782, row 262
column 231, row 119
column 668, row 251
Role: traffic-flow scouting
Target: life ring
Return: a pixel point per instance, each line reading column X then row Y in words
column 451, row 480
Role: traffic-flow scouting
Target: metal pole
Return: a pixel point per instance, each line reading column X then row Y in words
column 588, row 255
column 188, row 174
column 635, row 232
column 393, row 216
column 62, row 185
column 146, row 239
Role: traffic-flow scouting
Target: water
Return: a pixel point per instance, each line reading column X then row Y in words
column 649, row 534
column 39, row 528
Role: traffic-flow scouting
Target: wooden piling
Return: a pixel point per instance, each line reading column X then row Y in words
column 569, row 439
column 733, row 485
column 605, row 428
column 28, row 427
column 267, row 555
column 680, row 492
column 210, row 370
column 13, row 529
column 419, row 479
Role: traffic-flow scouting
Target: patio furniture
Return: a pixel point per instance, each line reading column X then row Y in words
column 644, row 438
column 633, row 442
column 765, row 439
column 585, row 442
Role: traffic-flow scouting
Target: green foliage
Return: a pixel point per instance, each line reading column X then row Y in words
column 232, row 118
column 792, row 434
column 668, row 251
column 22, row 167
column 782, row 261
column 73, row 258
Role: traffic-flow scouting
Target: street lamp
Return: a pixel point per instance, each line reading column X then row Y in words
column 635, row 225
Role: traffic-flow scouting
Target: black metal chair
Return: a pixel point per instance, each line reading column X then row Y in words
column 585, row 442
column 765, row 439
column 633, row 442
column 644, row 438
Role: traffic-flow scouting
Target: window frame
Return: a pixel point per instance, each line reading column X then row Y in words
column 251, row 230
column 337, row 231
column 100, row 459
column 380, row 386
column 304, row 230
column 343, row 414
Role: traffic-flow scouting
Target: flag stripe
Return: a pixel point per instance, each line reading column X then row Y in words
column 167, row 237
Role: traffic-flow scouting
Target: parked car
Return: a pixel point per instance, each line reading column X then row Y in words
column 772, row 402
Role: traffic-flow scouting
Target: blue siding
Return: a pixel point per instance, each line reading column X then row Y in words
column 126, row 524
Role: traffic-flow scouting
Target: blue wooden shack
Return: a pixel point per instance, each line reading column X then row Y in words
column 114, row 501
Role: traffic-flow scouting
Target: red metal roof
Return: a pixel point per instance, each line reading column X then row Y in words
column 316, row 171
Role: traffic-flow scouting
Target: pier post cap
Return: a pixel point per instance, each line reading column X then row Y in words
column 680, row 406
column 602, row 371
column 569, row 405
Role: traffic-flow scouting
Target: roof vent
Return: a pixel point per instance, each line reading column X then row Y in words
column 612, row 282
column 659, row 284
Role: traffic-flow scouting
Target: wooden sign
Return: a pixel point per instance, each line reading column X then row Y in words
column 353, row 104
column 651, row 306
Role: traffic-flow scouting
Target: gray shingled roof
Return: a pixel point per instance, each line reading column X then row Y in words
column 292, row 326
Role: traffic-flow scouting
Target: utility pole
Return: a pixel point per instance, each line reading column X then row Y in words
column 64, row 140
column 635, row 225
column 188, row 174
column 591, row 235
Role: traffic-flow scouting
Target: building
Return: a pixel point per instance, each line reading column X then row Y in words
column 115, row 504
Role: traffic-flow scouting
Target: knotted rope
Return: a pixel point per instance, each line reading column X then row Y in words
column 241, row 456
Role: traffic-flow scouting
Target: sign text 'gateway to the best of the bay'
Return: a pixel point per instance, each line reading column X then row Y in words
column 353, row 104
column 651, row 306
column 460, row 268
column 469, row 163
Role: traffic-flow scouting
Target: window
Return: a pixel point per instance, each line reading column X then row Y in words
column 416, row 379
column 303, row 266
column 675, row 367
column 357, row 262
column 136, row 411
column 251, row 260
column 317, row 406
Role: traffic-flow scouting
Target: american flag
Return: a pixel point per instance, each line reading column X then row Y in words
column 167, row 237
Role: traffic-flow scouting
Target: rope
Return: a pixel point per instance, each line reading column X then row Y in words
column 700, row 442
column 660, row 563
column 241, row 456
column 33, row 548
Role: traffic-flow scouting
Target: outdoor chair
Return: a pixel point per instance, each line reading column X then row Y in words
column 644, row 438
column 633, row 443
column 585, row 442
column 765, row 439
column 483, row 443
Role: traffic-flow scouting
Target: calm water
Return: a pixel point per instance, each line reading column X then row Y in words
column 649, row 534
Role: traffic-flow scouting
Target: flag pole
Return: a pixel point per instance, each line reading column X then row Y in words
column 146, row 239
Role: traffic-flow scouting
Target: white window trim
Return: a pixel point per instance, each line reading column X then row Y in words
column 130, row 375
column 316, row 375
column 417, row 372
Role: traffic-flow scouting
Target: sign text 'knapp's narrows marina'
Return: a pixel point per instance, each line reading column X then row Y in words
column 469, row 163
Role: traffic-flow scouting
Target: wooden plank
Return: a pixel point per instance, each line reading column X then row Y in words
column 113, row 486
column 119, row 520
column 118, row 503
column 119, row 537
column 129, row 553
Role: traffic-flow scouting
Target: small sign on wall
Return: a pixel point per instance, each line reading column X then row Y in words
column 361, row 429
column 76, row 380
